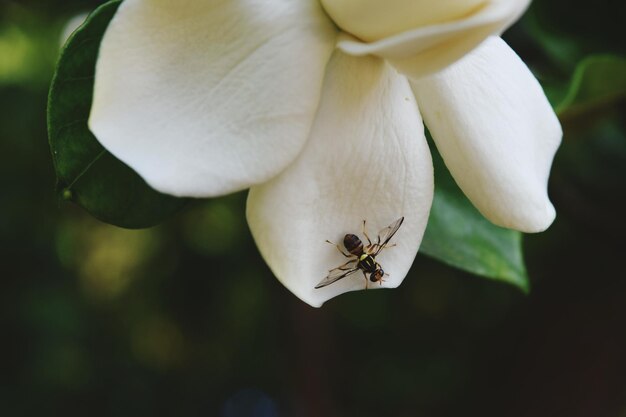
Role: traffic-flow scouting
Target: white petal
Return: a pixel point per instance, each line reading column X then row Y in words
column 366, row 159
column 203, row 98
column 496, row 132
column 427, row 49
column 372, row 20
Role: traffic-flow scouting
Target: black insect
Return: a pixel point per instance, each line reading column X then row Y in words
column 363, row 258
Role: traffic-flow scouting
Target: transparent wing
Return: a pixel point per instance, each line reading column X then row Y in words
column 337, row 274
column 385, row 235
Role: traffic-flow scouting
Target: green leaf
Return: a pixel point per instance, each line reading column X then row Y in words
column 87, row 174
column 598, row 81
column 555, row 48
column 458, row 235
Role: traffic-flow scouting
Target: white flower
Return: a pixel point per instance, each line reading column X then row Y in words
column 320, row 118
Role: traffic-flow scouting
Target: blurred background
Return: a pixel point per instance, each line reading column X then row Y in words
column 185, row 319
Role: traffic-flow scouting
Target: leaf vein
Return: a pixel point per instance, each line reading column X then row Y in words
column 84, row 171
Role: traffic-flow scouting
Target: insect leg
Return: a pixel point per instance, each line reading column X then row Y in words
column 339, row 249
column 365, row 276
column 375, row 249
column 365, row 233
column 343, row 267
column 388, row 246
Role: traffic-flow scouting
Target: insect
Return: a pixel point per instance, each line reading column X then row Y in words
column 363, row 258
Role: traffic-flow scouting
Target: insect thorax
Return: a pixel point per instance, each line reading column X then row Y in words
column 367, row 263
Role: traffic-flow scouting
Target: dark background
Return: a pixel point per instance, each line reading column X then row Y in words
column 185, row 319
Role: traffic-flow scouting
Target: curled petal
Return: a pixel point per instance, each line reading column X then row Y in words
column 428, row 49
column 366, row 159
column 372, row 20
column 204, row 98
column 496, row 132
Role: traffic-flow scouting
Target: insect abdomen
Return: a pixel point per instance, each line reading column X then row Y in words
column 353, row 244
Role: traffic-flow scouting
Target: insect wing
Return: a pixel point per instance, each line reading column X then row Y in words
column 335, row 275
column 387, row 233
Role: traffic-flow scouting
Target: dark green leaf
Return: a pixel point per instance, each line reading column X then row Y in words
column 598, row 81
column 596, row 28
column 88, row 174
column 457, row 234
column 554, row 48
